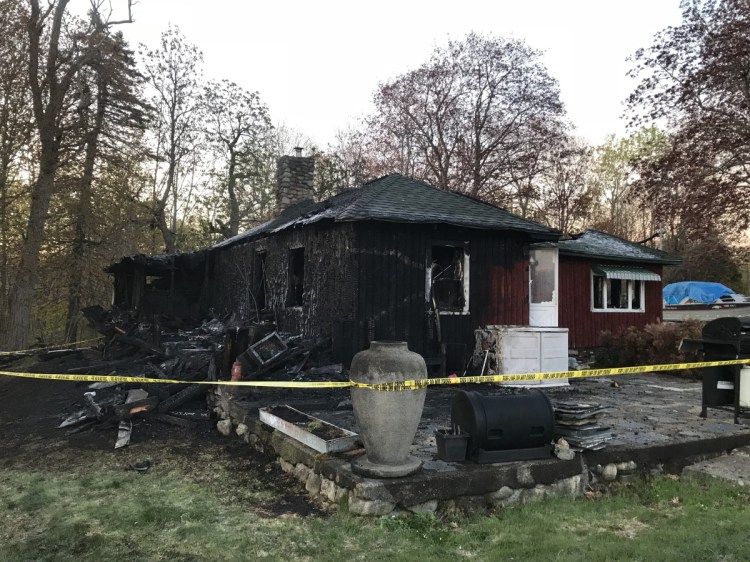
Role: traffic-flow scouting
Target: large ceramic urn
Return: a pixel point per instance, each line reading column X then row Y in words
column 387, row 419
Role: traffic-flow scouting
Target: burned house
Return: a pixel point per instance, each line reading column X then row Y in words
column 393, row 259
column 398, row 259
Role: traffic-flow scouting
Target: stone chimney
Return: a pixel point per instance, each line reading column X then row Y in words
column 294, row 179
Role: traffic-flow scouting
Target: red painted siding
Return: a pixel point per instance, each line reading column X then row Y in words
column 575, row 312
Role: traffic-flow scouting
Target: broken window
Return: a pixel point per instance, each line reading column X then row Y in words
column 296, row 277
column 617, row 294
column 157, row 283
column 543, row 275
column 259, row 285
column 448, row 278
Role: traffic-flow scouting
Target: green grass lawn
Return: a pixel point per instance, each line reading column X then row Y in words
column 127, row 516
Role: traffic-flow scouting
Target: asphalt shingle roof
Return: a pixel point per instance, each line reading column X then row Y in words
column 600, row 245
column 396, row 198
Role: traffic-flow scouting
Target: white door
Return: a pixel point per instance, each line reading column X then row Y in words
column 543, row 287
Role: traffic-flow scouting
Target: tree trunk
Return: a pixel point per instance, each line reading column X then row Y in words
column 4, row 238
column 3, row 246
column 234, row 206
column 78, row 261
column 169, row 234
column 16, row 331
column 170, row 238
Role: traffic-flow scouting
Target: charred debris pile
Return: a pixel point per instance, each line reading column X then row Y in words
column 170, row 349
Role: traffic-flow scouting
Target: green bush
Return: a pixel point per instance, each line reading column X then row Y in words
column 654, row 344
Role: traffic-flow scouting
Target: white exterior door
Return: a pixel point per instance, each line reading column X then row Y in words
column 543, row 287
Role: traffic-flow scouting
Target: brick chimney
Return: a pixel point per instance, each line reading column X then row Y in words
column 294, row 179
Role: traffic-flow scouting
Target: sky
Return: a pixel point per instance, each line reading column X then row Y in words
column 316, row 64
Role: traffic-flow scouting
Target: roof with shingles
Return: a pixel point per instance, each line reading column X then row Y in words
column 600, row 245
column 396, row 198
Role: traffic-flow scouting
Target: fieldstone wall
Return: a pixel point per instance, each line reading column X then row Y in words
column 473, row 488
column 294, row 181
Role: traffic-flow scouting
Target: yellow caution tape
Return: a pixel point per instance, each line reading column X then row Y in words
column 403, row 385
column 60, row 346
column 145, row 380
column 551, row 375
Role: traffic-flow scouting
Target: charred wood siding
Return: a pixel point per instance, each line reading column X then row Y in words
column 585, row 326
column 392, row 300
column 367, row 280
column 508, row 302
column 177, row 292
column 328, row 289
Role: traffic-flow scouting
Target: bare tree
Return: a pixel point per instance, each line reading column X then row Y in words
column 623, row 209
column 15, row 130
column 174, row 74
column 694, row 82
column 345, row 163
column 55, row 59
column 472, row 118
column 566, row 197
column 238, row 126
column 109, row 114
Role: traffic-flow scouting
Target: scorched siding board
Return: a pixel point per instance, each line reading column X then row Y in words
column 507, row 302
column 329, row 288
column 392, row 278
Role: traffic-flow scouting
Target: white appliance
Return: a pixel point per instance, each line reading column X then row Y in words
column 523, row 349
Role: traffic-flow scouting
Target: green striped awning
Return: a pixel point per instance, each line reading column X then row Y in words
column 625, row 272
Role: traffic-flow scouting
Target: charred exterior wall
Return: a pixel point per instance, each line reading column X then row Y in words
column 171, row 285
column 367, row 280
column 328, row 284
column 393, row 301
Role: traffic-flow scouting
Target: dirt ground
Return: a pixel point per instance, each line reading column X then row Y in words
column 30, row 411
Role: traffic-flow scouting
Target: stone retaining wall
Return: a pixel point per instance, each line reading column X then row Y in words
column 457, row 487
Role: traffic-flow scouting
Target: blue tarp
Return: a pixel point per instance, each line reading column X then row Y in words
column 699, row 291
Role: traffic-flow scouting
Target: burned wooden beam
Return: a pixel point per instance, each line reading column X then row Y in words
column 138, row 343
column 181, row 397
column 175, row 420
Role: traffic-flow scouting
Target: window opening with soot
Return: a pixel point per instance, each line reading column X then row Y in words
column 296, row 277
column 448, row 278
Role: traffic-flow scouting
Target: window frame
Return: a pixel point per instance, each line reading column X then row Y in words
column 631, row 284
column 466, row 280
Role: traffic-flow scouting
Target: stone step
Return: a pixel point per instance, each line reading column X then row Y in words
column 733, row 468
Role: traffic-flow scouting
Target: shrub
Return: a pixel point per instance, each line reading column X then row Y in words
column 654, row 344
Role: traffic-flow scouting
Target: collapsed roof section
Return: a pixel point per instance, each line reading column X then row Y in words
column 159, row 264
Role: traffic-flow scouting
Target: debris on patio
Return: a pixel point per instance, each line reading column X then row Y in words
column 170, row 348
column 320, row 435
column 578, row 423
